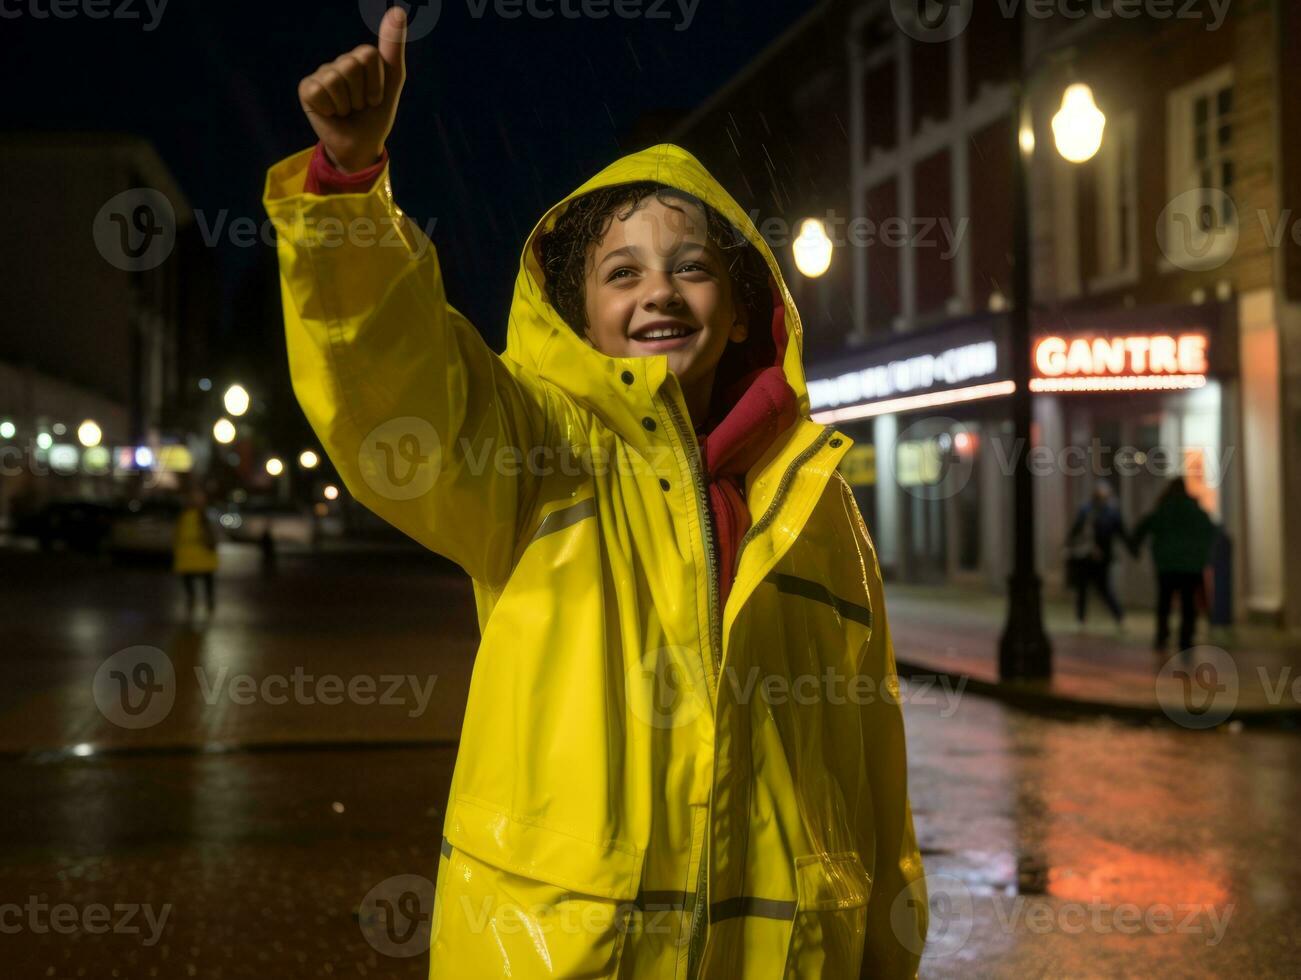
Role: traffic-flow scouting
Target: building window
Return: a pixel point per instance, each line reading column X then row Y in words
column 1115, row 177
column 1201, row 220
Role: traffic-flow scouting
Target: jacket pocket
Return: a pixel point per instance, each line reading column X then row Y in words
column 526, row 900
column 830, row 916
column 533, row 849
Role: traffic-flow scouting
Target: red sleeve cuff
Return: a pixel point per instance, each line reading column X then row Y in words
column 324, row 178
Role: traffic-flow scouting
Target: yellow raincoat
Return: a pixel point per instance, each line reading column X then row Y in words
column 648, row 785
column 191, row 552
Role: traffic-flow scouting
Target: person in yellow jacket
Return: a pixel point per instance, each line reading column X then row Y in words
column 683, row 749
column 194, row 551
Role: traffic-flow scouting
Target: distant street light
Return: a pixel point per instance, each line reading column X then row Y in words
column 44, row 441
column 812, row 248
column 89, row 434
column 331, row 492
column 236, row 400
column 1078, row 124
column 223, row 430
column 308, row 460
column 275, row 466
column 7, row 429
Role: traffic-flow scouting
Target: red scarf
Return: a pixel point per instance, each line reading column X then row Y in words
column 756, row 404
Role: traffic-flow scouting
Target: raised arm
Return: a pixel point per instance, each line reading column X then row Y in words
column 408, row 401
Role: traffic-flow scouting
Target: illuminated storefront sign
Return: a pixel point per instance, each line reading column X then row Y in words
column 959, row 365
column 1130, row 362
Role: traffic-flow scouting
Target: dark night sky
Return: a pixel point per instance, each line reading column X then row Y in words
column 499, row 117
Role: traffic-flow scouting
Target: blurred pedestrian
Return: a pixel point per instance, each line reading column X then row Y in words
column 194, row 551
column 1091, row 550
column 266, row 544
column 1182, row 537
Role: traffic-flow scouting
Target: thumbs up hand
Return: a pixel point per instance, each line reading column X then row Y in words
column 351, row 101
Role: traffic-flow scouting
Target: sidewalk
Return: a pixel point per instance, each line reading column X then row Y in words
column 1240, row 674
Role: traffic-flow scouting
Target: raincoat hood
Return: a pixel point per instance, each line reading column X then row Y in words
column 539, row 340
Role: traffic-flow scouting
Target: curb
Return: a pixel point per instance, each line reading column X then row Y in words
column 1032, row 697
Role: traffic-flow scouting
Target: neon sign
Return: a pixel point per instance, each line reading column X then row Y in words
column 1120, row 363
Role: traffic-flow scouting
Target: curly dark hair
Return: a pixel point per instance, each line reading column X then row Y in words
column 564, row 249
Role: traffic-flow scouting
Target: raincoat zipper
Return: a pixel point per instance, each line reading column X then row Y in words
column 697, row 926
column 707, row 525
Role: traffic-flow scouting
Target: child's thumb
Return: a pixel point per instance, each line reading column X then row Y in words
column 393, row 44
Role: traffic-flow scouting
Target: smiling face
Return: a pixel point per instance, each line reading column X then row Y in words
column 656, row 284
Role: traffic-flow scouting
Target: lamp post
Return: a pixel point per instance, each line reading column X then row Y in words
column 1024, row 651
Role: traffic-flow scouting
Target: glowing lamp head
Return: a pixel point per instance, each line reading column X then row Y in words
column 812, row 248
column 275, row 466
column 1078, row 124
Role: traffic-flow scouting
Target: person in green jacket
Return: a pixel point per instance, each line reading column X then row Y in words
column 1182, row 535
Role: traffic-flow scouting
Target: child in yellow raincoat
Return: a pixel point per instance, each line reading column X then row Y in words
column 683, row 751
column 194, row 551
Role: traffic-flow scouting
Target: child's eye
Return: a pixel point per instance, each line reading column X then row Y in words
column 690, row 266
column 615, row 274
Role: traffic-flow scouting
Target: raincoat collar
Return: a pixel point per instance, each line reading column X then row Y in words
column 540, row 341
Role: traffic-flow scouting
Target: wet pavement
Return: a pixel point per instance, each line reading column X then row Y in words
column 1241, row 674
column 300, row 842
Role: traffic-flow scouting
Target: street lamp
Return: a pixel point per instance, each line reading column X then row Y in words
column 1024, row 651
column 812, row 248
column 236, row 399
column 1078, row 124
column 308, row 460
column 275, row 466
column 331, row 492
